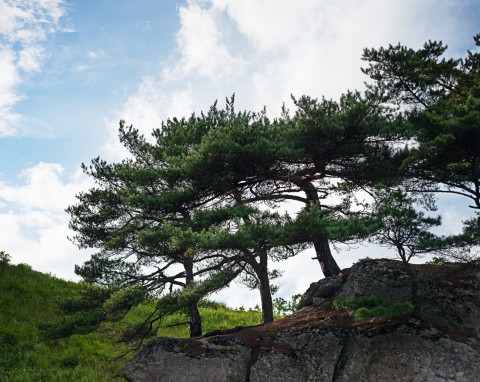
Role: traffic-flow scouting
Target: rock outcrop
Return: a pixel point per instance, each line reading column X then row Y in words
column 437, row 340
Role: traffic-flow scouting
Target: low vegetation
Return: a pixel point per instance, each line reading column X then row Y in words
column 29, row 302
column 368, row 307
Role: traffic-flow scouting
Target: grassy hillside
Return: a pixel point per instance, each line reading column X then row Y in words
column 29, row 299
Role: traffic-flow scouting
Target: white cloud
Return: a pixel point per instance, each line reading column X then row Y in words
column 30, row 58
column 43, row 189
column 272, row 25
column 145, row 110
column 203, row 47
column 23, row 27
column 34, row 223
column 266, row 50
column 315, row 47
column 94, row 54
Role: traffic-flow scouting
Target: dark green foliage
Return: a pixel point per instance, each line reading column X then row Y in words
column 402, row 227
column 365, row 313
column 121, row 301
column 441, row 98
column 283, row 307
column 4, row 260
column 406, row 76
column 4, row 257
column 143, row 217
column 82, row 312
column 436, row 261
column 78, row 323
column 197, row 197
column 368, row 307
column 246, row 158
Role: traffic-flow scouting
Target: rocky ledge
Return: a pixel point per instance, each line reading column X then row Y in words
column 433, row 333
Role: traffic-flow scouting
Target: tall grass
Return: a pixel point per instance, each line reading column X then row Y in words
column 29, row 299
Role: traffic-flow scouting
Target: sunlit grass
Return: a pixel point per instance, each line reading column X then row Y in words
column 29, row 299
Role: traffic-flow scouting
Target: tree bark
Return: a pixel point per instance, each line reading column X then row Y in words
column 261, row 270
column 192, row 308
column 325, row 258
column 195, row 319
column 322, row 248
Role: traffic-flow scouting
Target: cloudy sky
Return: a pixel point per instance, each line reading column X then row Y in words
column 70, row 70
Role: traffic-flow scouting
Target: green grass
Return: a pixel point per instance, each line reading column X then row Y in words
column 212, row 319
column 368, row 307
column 29, row 299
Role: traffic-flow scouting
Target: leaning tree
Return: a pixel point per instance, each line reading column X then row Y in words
column 310, row 158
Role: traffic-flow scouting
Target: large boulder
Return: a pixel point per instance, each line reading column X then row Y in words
column 439, row 340
column 176, row 360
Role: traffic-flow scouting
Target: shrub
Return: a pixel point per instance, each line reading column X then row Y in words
column 79, row 323
column 368, row 307
column 437, row 261
column 282, row 307
column 4, row 260
column 365, row 260
column 363, row 313
column 400, row 308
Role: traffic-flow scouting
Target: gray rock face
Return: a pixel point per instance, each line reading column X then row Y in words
column 313, row 357
column 395, row 356
column 321, row 290
column 172, row 360
column 439, row 341
column 406, row 357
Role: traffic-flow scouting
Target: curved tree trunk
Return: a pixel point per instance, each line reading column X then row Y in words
column 322, row 247
column 325, row 258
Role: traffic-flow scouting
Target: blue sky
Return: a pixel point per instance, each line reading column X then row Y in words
column 70, row 70
column 95, row 58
